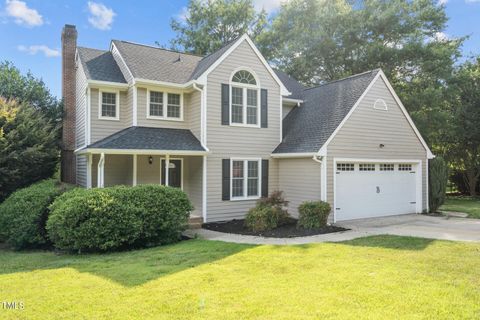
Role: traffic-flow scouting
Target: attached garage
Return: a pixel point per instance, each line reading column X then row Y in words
column 368, row 189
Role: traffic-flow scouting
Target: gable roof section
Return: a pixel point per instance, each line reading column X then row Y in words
column 292, row 85
column 150, row 63
column 210, row 59
column 147, row 138
column 308, row 127
column 100, row 65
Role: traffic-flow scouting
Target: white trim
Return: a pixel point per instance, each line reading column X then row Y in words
column 427, row 185
column 245, row 179
column 203, row 77
column 281, row 118
column 142, row 152
column 89, row 171
column 134, row 173
column 141, row 81
column 101, row 171
column 245, row 88
column 167, row 163
column 165, row 116
column 117, row 105
column 384, row 106
column 204, row 189
column 115, row 85
column 290, row 101
column 134, row 106
column 323, row 180
column 293, row 155
column 112, row 45
column 88, row 129
column 418, row 173
column 380, row 73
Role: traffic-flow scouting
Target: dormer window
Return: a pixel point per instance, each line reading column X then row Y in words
column 245, row 97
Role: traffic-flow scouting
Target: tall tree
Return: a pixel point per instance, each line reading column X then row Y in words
column 28, row 89
column 28, row 146
column 323, row 40
column 462, row 140
column 210, row 24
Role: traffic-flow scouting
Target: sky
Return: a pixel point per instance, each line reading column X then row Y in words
column 30, row 30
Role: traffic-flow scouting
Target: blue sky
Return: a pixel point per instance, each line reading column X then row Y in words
column 30, row 29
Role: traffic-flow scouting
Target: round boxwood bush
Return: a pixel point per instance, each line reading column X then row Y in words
column 313, row 214
column 24, row 213
column 118, row 217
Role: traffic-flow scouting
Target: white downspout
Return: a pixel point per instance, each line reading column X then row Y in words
column 323, row 175
column 100, row 171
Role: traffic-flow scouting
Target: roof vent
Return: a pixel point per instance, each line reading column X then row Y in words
column 179, row 59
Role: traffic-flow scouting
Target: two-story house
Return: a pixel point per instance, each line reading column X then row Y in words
column 228, row 129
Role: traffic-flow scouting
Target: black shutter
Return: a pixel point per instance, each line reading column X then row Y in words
column 265, row 178
column 264, row 108
column 225, row 179
column 225, row 104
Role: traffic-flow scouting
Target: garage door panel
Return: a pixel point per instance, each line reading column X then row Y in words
column 366, row 194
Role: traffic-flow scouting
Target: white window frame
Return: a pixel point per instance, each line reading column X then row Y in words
column 117, row 104
column 245, row 179
column 165, row 105
column 244, row 88
column 367, row 167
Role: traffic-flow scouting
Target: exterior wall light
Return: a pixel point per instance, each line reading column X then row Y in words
column 150, row 160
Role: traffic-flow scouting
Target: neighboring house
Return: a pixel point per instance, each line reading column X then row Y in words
column 230, row 130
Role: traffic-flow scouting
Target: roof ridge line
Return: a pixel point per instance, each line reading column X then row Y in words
column 342, row 79
column 169, row 50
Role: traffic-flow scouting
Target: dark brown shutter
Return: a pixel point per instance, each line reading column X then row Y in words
column 265, row 178
column 264, row 108
column 225, row 104
column 225, row 179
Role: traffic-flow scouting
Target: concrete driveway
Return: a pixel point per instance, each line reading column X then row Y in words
column 417, row 225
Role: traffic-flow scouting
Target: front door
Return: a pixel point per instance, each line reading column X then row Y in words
column 174, row 173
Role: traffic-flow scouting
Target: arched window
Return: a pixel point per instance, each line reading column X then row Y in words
column 244, row 102
column 380, row 104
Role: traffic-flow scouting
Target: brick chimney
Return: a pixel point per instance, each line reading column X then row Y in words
column 68, row 159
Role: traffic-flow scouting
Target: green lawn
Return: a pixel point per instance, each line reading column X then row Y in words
column 381, row 277
column 463, row 204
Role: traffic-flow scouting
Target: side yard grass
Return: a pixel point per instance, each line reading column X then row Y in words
column 380, row 277
column 469, row 205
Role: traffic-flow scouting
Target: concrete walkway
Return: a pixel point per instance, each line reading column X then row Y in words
column 405, row 225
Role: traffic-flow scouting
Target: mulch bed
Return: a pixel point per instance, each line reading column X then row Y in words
column 287, row 230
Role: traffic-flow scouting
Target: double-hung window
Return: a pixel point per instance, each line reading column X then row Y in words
column 245, row 179
column 244, row 108
column 109, row 105
column 164, row 105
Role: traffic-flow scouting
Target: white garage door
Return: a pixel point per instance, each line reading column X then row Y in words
column 366, row 190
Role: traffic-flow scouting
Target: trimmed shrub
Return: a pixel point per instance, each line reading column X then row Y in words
column 24, row 213
column 118, row 217
column 268, row 214
column 438, row 179
column 313, row 214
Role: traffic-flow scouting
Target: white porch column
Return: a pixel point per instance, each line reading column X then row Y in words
column 134, row 175
column 204, row 189
column 101, row 171
column 89, row 170
column 167, row 167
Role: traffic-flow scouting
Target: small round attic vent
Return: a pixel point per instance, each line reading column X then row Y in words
column 380, row 104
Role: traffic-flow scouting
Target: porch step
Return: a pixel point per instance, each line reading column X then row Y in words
column 195, row 222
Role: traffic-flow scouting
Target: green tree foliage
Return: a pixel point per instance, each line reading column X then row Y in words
column 28, row 146
column 438, row 177
column 462, row 137
column 324, row 40
column 210, row 24
column 28, row 89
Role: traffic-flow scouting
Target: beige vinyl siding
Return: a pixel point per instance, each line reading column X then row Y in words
column 192, row 182
column 102, row 128
column 148, row 173
column 286, row 108
column 225, row 142
column 194, row 109
column 80, row 106
column 121, row 65
column 367, row 128
column 82, row 170
column 299, row 179
column 129, row 107
column 118, row 170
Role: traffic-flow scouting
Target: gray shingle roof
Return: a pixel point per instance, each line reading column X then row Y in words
column 157, row 64
column 144, row 138
column 292, row 85
column 100, row 65
column 210, row 59
column 306, row 128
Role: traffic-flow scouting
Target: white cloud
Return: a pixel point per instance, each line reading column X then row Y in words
column 441, row 36
column 183, row 15
column 440, row 2
column 22, row 14
column 48, row 52
column 268, row 5
column 101, row 16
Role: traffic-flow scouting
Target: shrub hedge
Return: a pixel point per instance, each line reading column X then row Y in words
column 24, row 213
column 268, row 213
column 118, row 217
column 313, row 214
